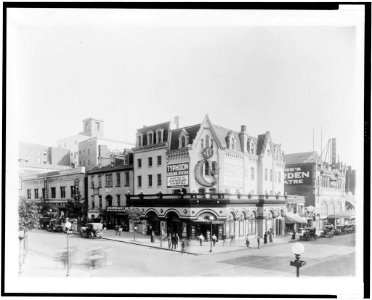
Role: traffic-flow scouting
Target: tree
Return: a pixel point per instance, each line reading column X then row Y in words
column 76, row 207
column 28, row 213
column 134, row 215
column 43, row 207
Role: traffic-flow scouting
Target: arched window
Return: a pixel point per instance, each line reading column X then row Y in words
column 206, row 141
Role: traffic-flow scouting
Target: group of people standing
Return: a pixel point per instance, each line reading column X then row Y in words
column 173, row 241
column 267, row 235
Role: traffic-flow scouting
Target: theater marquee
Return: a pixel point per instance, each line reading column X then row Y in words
column 298, row 174
column 178, row 175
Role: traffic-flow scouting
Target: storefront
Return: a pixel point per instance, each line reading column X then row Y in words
column 294, row 222
column 115, row 215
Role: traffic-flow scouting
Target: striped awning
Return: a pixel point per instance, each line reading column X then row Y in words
column 294, row 218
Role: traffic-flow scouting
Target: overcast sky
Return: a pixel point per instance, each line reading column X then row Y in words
column 135, row 68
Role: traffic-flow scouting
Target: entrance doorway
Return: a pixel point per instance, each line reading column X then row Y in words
column 174, row 224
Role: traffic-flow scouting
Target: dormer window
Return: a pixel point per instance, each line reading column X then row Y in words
column 139, row 140
column 150, row 138
column 183, row 139
column 159, row 136
column 232, row 143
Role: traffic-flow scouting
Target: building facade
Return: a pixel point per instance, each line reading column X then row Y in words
column 55, row 188
column 186, row 177
column 107, row 189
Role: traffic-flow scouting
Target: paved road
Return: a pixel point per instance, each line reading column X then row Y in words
column 324, row 257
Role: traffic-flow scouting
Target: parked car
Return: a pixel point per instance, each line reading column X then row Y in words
column 340, row 229
column 44, row 222
column 307, row 234
column 55, row 225
column 92, row 230
column 327, row 231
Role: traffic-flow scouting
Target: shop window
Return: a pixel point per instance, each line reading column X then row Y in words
column 29, row 194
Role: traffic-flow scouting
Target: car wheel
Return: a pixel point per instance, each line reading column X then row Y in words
column 98, row 234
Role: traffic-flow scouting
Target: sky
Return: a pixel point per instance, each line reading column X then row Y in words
column 139, row 68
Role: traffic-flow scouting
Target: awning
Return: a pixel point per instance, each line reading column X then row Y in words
column 340, row 215
column 291, row 218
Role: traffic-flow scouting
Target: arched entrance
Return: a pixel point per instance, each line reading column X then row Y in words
column 174, row 223
column 153, row 223
column 230, row 225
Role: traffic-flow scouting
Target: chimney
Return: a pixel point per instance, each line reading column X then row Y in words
column 177, row 121
column 243, row 128
column 243, row 138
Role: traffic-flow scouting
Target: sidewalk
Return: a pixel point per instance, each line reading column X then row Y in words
column 192, row 246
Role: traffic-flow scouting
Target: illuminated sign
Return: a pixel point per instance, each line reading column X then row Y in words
column 298, row 175
column 178, row 175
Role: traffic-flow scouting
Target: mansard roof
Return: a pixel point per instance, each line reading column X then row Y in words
column 222, row 133
column 153, row 128
column 191, row 130
column 301, row 158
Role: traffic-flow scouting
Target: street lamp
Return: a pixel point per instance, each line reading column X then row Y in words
column 134, row 232
column 297, row 250
column 68, row 226
column 211, row 218
column 21, row 235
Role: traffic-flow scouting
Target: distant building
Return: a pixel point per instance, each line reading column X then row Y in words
column 55, row 188
column 89, row 146
column 107, row 189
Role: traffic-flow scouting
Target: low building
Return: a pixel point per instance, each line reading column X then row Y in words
column 107, row 189
column 55, row 188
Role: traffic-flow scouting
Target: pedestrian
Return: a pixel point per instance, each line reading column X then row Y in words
column 265, row 238
column 176, row 239
column 152, row 236
column 173, row 241
column 258, row 241
column 183, row 246
column 294, row 235
column 214, row 239
column 247, row 241
column 232, row 239
column 201, row 239
column 271, row 236
column 223, row 239
column 169, row 240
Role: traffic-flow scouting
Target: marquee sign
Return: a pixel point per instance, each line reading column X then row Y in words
column 298, row 175
column 178, row 175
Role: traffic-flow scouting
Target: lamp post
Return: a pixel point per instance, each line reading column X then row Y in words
column 68, row 226
column 134, row 232
column 21, row 235
column 297, row 250
column 211, row 218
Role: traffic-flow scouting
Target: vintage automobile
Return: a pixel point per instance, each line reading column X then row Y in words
column 91, row 230
column 55, row 225
column 306, row 234
column 44, row 222
column 340, row 229
column 327, row 231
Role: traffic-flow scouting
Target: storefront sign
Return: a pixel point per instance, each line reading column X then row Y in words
column 178, row 175
column 116, row 208
column 298, row 174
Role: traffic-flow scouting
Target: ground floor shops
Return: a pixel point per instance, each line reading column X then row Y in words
column 192, row 215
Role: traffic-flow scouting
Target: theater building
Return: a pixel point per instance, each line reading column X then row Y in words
column 187, row 178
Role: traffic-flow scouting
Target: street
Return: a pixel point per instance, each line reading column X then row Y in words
column 324, row 257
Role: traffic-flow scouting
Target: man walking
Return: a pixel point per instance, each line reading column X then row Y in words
column 258, row 241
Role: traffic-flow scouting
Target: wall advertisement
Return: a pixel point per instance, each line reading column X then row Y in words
column 178, row 175
column 298, row 174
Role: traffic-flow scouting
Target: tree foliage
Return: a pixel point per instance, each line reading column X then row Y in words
column 28, row 214
column 133, row 214
column 76, row 207
column 43, row 207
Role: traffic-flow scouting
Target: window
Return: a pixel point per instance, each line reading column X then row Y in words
column 202, row 143
column 150, row 161
column 214, row 165
column 72, row 191
column 150, row 180
column 139, row 163
column 201, row 191
column 108, row 180
column 159, row 160
column 139, row 140
column 43, row 191
column 183, row 142
column 117, row 179
column 29, row 194
column 92, row 181
column 206, row 168
column 150, row 138
column 36, row 191
column 139, row 181
column 100, row 201
column 252, row 173
column 271, row 175
column 99, row 181
column 159, row 134
column 53, row 192
column 93, row 202
column 207, row 141
column 63, row 192
column 108, row 200
column 233, row 144
column 126, row 178
column 265, row 174
column 118, row 199
column 159, row 179
column 252, row 148
column 126, row 159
